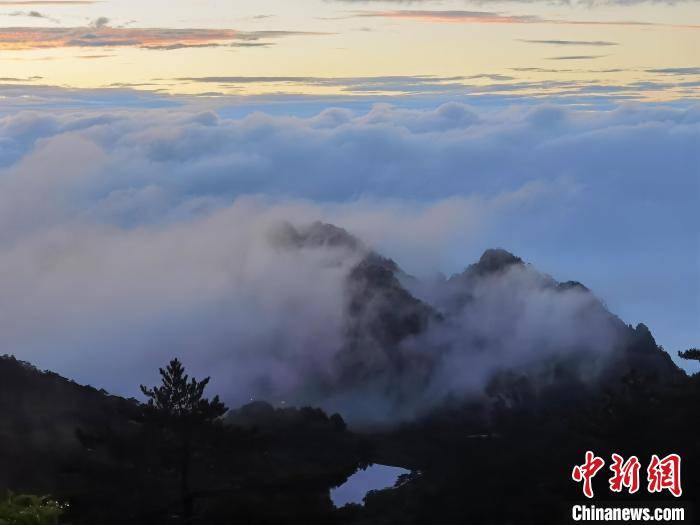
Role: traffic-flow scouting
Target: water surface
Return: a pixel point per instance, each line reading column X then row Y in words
column 374, row 477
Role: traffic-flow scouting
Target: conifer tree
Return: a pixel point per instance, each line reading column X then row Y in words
column 179, row 405
column 692, row 354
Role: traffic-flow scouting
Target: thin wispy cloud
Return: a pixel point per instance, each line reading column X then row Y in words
column 588, row 3
column 451, row 17
column 32, row 14
column 379, row 84
column 49, row 2
column 493, row 17
column 395, row 83
column 570, row 42
column 15, row 79
column 100, row 34
column 455, row 86
column 676, row 71
column 596, row 3
column 576, row 57
column 335, row 81
column 94, row 57
column 568, row 70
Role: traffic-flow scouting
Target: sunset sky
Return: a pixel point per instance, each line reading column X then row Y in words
column 619, row 49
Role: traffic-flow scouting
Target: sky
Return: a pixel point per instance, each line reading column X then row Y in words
column 147, row 149
column 620, row 48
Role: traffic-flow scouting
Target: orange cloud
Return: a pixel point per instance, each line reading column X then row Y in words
column 101, row 35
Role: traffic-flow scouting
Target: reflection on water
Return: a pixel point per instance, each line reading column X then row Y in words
column 375, row 477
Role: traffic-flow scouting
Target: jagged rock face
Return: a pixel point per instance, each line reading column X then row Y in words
column 381, row 316
column 623, row 350
column 380, row 308
column 494, row 260
column 317, row 235
column 641, row 354
column 406, row 353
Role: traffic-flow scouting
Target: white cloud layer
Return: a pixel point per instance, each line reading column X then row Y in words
column 127, row 237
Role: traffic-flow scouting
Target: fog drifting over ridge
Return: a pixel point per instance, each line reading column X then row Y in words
column 129, row 237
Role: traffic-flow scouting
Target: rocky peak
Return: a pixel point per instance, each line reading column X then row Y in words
column 317, row 234
column 495, row 260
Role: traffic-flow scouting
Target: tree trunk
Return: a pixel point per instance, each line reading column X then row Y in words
column 185, row 495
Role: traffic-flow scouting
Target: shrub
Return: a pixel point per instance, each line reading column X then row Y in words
column 30, row 510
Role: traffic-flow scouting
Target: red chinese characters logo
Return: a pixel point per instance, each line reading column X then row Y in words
column 625, row 474
column 665, row 474
column 586, row 472
column 662, row 474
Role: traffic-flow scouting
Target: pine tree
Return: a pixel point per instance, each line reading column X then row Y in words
column 179, row 405
column 692, row 354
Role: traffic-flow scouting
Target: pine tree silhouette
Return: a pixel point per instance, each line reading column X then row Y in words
column 180, row 406
column 692, row 354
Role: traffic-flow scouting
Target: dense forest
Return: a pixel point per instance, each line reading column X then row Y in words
column 108, row 460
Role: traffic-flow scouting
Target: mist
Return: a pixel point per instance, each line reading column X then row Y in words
column 186, row 235
column 256, row 296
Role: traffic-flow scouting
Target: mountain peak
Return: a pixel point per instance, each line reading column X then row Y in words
column 325, row 234
column 317, row 234
column 494, row 260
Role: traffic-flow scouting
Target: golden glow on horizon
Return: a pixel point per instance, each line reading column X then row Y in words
column 273, row 39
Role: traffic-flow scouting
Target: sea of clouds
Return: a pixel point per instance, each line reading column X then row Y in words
column 128, row 237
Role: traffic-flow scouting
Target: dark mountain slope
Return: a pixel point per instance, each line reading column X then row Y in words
column 99, row 453
column 42, row 416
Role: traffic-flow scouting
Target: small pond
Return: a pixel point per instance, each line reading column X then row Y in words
column 374, row 477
